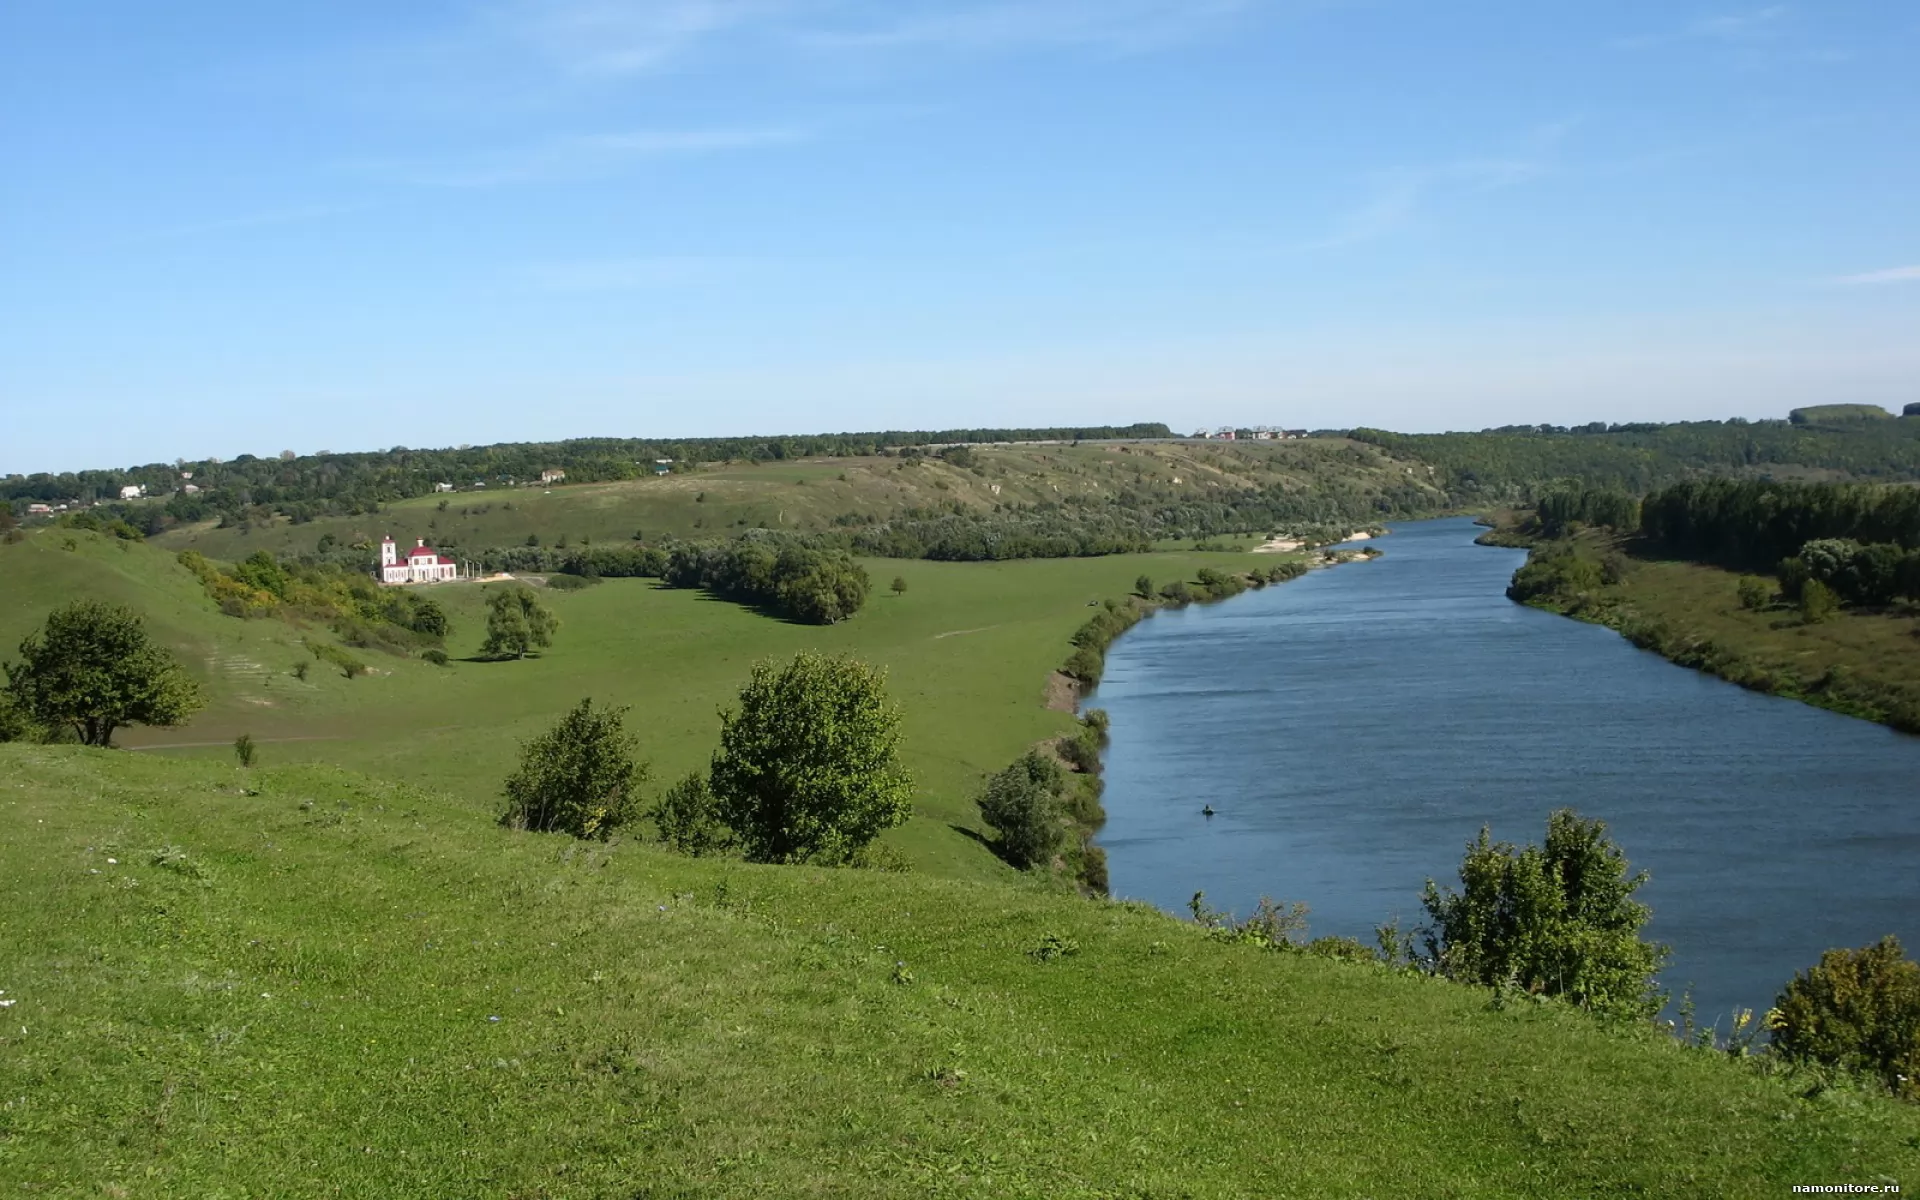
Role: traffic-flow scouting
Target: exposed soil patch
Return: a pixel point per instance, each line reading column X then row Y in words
column 1063, row 693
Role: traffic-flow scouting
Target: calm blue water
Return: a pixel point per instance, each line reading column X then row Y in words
column 1355, row 728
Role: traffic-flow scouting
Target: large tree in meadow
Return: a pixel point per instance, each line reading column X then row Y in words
column 808, row 768
column 516, row 623
column 93, row 669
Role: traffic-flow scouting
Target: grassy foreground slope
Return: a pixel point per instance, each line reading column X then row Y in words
column 969, row 649
column 304, row 982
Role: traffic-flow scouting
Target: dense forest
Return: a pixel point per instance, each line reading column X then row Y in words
column 1510, row 464
column 1755, row 524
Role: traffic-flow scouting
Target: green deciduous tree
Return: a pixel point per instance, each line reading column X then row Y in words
column 1858, row 1010
column 1022, row 804
column 1559, row 920
column 516, row 623
column 899, row 585
column 808, row 767
column 577, row 777
column 1755, row 594
column 92, row 668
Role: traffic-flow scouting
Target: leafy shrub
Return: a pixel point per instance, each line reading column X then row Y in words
column 434, row 655
column 571, row 583
column 808, row 768
column 1558, row 921
column 1754, row 593
column 244, row 749
column 1085, row 664
column 1858, row 1010
column 688, row 818
column 1817, row 602
column 576, row 778
column 1022, row 805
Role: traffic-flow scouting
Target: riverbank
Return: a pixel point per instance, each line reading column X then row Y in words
column 1862, row 664
column 1472, row 711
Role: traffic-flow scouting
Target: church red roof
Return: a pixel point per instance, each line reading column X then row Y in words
column 423, row 552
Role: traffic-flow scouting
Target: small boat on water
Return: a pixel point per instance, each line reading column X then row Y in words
column 1207, row 811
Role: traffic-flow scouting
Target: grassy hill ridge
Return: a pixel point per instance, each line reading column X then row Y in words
column 1339, row 480
column 303, row 981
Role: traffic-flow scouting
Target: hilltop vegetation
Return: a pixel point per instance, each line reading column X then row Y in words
column 991, row 503
column 1520, row 463
column 317, row 484
column 301, row 981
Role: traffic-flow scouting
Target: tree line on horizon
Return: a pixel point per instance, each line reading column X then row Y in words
column 328, row 482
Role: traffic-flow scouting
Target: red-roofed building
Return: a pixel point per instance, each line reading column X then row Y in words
column 422, row 564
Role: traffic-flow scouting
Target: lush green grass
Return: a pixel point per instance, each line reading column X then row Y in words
column 808, row 495
column 296, row 981
column 969, row 649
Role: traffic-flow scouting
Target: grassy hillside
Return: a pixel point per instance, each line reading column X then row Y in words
column 969, row 647
column 243, row 664
column 300, row 982
column 821, row 494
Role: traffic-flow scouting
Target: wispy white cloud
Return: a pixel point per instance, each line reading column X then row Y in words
column 1889, row 275
column 258, row 220
column 601, row 39
column 1733, row 28
column 586, row 156
column 1122, row 26
column 1399, row 197
column 627, row 274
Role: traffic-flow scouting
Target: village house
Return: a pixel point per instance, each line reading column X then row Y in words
column 553, row 476
column 132, row 491
column 442, row 487
column 39, row 510
column 423, row 564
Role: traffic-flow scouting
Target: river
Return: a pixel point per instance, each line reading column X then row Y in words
column 1354, row 729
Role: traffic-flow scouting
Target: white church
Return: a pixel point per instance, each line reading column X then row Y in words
column 423, row 564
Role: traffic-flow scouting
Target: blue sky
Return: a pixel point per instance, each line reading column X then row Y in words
column 243, row 227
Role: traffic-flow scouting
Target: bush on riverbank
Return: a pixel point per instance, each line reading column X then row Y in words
column 1858, row 1011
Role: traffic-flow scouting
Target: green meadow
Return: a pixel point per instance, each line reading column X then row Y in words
column 969, row 648
column 301, row 981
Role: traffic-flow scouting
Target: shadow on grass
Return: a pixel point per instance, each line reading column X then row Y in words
column 992, row 846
